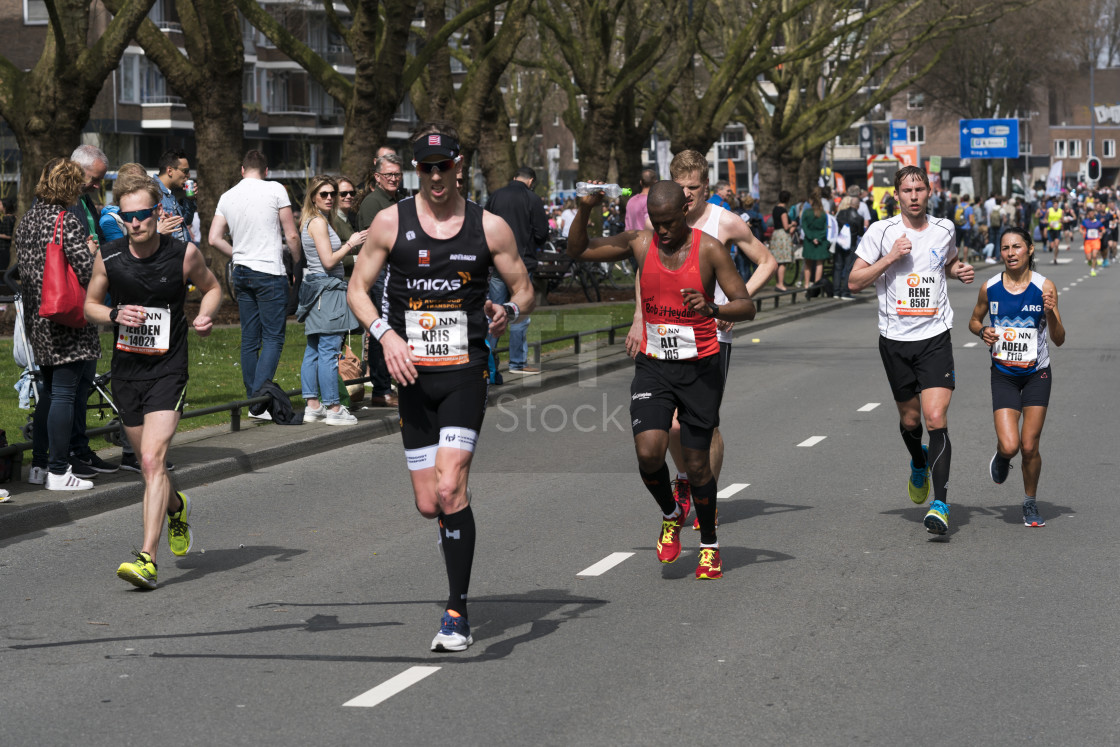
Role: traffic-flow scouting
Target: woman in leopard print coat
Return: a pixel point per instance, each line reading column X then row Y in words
column 60, row 351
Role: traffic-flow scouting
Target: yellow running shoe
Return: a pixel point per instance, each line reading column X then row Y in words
column 140, row 572
column 179, row 537
column 918, row 484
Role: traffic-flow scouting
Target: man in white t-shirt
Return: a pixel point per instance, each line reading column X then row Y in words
column 909, row 258
column 258, row 215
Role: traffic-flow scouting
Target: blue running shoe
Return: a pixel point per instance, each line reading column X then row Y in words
column 1031, row 517
column 454, row 633
column 999, row 467
column 918, row 486
column 937, row 520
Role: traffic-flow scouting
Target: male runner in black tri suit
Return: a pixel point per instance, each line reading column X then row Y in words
column 432, row 327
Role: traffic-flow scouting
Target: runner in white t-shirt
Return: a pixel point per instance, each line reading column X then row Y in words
column 689, row 169
column 909, row 258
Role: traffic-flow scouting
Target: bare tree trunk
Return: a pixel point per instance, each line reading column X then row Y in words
column 495, row 146
column 769, row 178
column 218, row 130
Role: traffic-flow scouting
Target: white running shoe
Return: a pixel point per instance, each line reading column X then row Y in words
column 37, row 475
column 67, row 482
column 341, row 416
column 311, row 415
column 4, row 495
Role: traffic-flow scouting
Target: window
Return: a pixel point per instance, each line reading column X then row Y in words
column 35, row 12
column 1108, row 149
column 916, row 134
column 129, row 92
column 915, row 100
column 1059, row 149
column 1073, row 147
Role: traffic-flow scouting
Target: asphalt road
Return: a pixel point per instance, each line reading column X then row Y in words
column 839, row 619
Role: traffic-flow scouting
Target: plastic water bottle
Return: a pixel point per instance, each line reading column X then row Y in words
column 610, row 190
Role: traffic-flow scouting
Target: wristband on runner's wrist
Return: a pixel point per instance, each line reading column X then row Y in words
column 378, row 328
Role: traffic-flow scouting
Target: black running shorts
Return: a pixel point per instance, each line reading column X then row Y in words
column 1010, row 392
column 135, row 399
column 693, row 388
column 915, row 365
column 442, row 409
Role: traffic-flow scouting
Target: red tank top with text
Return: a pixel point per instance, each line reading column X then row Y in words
column 672, row 330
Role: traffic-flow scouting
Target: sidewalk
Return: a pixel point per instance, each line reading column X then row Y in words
column 215, row 453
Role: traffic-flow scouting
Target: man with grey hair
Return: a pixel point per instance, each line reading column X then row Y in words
column 384, row 190
column 94, row 164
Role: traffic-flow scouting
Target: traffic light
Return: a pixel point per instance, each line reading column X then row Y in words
column 1093, row 169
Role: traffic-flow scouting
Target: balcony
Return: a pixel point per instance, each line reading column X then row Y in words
column 162, row 112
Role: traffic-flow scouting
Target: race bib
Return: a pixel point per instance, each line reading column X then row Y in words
column 153, row 337
column 437, row 338
column 670, row 342
column 1016, row 347
column 917, row 294
column 1092, row 233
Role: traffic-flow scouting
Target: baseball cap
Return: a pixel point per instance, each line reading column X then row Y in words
column 435, row 144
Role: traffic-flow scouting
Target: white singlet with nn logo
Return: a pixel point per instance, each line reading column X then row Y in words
column 153, row 337
column 670, row 342
column 1016, row 346
column 912, row 293
column 437, row 338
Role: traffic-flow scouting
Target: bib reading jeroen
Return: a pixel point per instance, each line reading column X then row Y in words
column 153, row 337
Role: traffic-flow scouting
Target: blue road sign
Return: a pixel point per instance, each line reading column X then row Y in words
column 898, row 132
column 989, row 138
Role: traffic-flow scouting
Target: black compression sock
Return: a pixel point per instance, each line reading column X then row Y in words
column 660, row 486
column 457, row 537
column 704, row 498
column 940, row 457
column 913, row 441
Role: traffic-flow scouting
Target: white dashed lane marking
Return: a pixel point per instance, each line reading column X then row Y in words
column 812, row 441
column 971, row 344
column 868, row 407
column 391, row 687
column 732, row 489
column 605, row 564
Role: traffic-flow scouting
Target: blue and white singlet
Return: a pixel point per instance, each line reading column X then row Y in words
column 1021, row 325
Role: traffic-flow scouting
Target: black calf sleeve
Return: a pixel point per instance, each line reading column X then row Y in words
column 457, row 533
column 704, row 498
column 940, row 458
column 913, row 441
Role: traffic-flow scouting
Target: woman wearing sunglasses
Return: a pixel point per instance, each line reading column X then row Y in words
column 322, row 304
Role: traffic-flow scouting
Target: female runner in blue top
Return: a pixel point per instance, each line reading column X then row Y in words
column 1022, row 307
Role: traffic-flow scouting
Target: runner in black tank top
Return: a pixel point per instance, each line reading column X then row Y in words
column 433, row 328
column 147, row 276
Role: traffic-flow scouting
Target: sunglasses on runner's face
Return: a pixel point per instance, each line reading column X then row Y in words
column 325, row 194
column 137, row 214
column 440, row 166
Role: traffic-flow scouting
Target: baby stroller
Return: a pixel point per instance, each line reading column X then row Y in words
column 30, row 382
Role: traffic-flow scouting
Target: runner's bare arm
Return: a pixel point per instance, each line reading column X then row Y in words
column 864, row 274
column 1054, row 327
column 507, row 261
column 976, row 323
column 608, row 249
column 97, row 312
column 367, row 266
column 962, row 271
column 739, row 307
column 196, row 271
column 737, row 230
column 636, row 334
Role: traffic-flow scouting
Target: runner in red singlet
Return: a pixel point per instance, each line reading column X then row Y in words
column 678, row 368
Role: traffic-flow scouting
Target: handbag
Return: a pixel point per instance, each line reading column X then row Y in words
column 63, row 299
column 349, row 367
